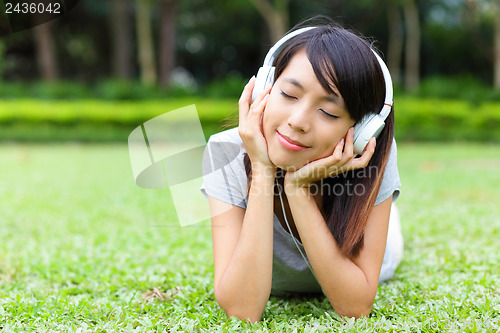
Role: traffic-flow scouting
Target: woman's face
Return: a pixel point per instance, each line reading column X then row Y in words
column 302, row 122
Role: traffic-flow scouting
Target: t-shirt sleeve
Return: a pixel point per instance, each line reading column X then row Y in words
column 390, row 182
column 224, row 176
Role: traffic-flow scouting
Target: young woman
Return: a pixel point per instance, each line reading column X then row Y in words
column 294, row 208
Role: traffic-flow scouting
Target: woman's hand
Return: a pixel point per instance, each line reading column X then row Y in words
column 341, row 160
column 250, row 125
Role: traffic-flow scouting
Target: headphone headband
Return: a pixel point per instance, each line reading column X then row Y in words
column 389, row 93
column 367, row 128
column 273, row 51
column 388, row 101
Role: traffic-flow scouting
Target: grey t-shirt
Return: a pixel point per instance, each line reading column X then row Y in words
column 225, row 179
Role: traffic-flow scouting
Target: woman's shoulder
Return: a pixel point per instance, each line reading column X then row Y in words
column 393, row 156
column 230, row 135
column 224, row 148
column 391, row 182
column 224, row 175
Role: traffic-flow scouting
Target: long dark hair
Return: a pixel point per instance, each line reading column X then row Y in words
column 340, row 57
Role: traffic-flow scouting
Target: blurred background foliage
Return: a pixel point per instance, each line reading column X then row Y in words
column 444, row 56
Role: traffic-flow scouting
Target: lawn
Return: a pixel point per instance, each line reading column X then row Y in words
column 82, row 248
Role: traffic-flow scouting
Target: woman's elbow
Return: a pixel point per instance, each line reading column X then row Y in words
column 354, row 312
column 241, row 310
column 244, row 315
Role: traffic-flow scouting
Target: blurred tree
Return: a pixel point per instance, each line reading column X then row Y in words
column 276, row 15
column 403, row 35
column 145, row 42
column 412, row 52
column 474, row 13
column 497, row 45
column 2, row 58
column 395, row 42
column 219, row 39
column 45, row 51
column 122, row 38
column 471, row 13
column 168, row 20
column 455, row 44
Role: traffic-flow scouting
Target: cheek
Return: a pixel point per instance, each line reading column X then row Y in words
column 325, row 151
column 269, row 119
column 265, row 123
column 328, row 145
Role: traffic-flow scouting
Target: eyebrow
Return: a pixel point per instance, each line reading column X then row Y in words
column 300, row 86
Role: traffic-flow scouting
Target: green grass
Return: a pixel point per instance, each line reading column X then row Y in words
column 82, row 247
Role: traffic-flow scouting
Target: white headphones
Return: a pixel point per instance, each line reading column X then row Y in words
column 369, row 127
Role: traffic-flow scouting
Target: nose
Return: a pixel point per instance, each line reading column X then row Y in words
column 299, row 120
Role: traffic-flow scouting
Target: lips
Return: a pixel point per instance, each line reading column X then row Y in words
column 290, row 143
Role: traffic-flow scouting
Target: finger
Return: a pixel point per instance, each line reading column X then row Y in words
column 261, row 96
column 337, row 152
column 261, row 121
column 257, row 110
column 246, row 96
column 329, row 164
column 333, row 158
column 268, row 89
column 363, row 161
column 348, row 147
column 253, row 121
column 246, row 99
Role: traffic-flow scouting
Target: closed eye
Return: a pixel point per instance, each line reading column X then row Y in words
column 328, row 114
column 287, row 96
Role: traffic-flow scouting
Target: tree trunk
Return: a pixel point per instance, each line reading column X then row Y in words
column 167, row 40
column 45, row 51
column 145, row 42
column 122, row 41
column 496, row 55
column 276, row 16
column 395, row 43
column 412, row 77
column 471, row 14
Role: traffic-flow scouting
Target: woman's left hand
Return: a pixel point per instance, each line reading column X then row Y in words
column 341, row 160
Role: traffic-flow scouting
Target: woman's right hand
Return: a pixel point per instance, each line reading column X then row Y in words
column 250, row 125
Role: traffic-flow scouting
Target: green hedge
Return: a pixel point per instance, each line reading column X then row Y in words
column 429, row 119
column 125, row 113
column 97, row 120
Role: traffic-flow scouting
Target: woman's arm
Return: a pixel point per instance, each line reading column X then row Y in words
column 243, row 250
column 243, row 239
column 349, row 284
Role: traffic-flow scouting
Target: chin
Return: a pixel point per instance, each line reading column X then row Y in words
column 286, row 165
column 288, row 161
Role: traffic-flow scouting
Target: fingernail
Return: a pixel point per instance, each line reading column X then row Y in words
column 342, row 142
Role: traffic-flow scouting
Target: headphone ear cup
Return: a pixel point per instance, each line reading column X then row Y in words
column 265, row 77
column 368, row 128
